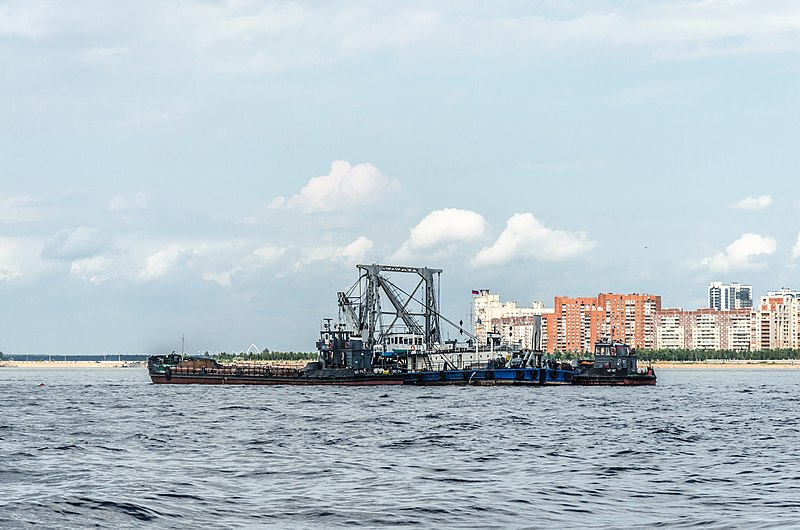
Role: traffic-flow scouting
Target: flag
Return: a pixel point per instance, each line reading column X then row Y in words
column 474, row 292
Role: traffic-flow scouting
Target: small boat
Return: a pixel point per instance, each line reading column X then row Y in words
column 615, row 363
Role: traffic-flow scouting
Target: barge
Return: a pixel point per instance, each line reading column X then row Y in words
column 387, row 335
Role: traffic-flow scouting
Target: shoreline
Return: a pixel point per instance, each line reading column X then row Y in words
column 681, row 365
column 787, row 364
column 73, row 364
column 117, row 364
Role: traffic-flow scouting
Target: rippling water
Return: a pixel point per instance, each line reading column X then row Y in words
column 105, row 447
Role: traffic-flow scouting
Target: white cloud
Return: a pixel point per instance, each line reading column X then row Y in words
column 440, row 232
column 738, row 256
column 24, row 209
column 268, row 253
column 344, row 188
column 24, row 19
column 218, row 261
column 121, row 203
column 796, row 249
column 10, row 266
column 257, row 259
column 255, row 38
column 96, row 269
column 350, row 254
column 161, row 263
column 222, row 278
column 753, row 203
column 78, row 243
column 357, row 250
column 525, row 237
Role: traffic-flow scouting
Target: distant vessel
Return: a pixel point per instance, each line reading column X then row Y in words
column 615, row 363
column 387, row 335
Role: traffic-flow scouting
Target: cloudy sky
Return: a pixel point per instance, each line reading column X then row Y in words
column 217, row 168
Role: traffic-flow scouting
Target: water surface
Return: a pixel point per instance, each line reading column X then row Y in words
column 105, row 447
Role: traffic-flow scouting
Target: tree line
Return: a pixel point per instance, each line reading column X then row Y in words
column 266, row 355
column 718, row 355
column 685, row 355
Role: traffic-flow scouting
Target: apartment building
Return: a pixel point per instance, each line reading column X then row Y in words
column 727, row 296
column 776, row 321
column 631, row 317
column 515, row 324
column 703, row 329
column 576, row 323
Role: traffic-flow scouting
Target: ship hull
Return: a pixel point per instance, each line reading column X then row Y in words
column 478, row 377
column 613, row 381
column 485, row 377
column 197, row 379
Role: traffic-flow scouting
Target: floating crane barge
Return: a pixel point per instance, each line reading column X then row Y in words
column 390, row 336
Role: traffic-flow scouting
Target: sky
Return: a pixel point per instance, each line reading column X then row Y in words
column 216, row 169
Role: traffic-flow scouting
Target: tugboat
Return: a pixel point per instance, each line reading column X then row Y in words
column 385, row 336
column 615, row 363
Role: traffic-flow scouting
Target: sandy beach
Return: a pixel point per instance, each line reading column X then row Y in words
column 729, row 365
column 119, row 364
column 688, row 365
column 71, row 364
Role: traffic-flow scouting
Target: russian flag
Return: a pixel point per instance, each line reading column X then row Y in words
column 474, row 292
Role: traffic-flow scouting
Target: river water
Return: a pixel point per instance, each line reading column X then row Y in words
column 105, row 447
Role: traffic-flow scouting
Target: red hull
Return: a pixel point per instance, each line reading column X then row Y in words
column 614, row 382
column 239, row 380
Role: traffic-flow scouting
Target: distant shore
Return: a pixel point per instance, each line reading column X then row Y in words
column 72, row 364
column 728, row 365
column 683, row 365
column 115, row 364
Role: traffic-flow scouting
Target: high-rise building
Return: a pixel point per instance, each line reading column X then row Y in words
column 513, row 323
column 631, row 317
column 703, row 329
column 577, row 323
column 727, row 296
column 574, row 325
column 776, row 321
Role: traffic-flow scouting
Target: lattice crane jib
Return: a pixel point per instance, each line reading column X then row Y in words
column 417, row 309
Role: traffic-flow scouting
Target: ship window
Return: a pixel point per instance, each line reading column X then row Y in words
column 622, row 349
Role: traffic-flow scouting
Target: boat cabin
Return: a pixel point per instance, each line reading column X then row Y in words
column 614, row 355
column 403, row 342
column 339, row 348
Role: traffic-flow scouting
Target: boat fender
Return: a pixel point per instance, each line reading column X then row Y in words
column 347, row 344
column 441, row 376
column 167, row 373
